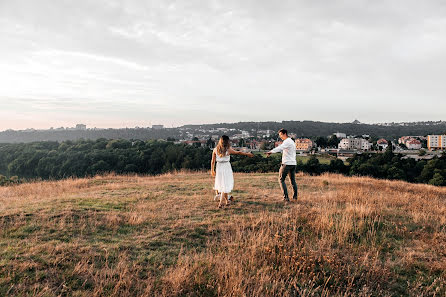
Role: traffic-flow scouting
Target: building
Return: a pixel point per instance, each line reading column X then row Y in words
column 355, row 144
column 435, row 142
column 382, row 143
column 265, row 133
column 245, row 134
column 81, row 127
column 157, row 127
column 404, row 139
column 349, row 144
column 304, row 144
column 413, row 144
column 340, row 135
column 365, row 145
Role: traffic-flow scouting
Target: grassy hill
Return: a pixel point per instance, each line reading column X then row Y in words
column 164, row 236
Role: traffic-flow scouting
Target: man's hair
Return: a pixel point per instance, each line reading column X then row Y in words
column 283, row 131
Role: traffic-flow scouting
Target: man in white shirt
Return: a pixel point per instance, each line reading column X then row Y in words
column 288, row 167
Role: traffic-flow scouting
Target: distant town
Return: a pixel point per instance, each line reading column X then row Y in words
column 263, row 136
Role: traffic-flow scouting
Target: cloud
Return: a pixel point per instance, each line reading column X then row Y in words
column 233, row 59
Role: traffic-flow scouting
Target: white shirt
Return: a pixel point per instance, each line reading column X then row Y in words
column 289, row 151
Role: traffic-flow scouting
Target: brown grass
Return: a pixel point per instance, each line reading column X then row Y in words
column 164, row 236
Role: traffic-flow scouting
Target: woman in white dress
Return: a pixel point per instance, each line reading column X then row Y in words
column 224, row 180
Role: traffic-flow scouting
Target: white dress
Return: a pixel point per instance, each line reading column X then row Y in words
column 224, row 180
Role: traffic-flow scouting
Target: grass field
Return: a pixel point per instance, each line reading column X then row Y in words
column 164, row 236
column 322, row 159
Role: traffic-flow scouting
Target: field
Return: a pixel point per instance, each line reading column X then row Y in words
column 164, row 236
column 322, row 159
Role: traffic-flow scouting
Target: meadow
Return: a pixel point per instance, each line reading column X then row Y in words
column 128, row 235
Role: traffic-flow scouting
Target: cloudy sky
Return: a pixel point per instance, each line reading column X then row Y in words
column 137, row 63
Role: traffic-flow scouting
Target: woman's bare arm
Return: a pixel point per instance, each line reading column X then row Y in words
column 234, row 152
column 213, row 164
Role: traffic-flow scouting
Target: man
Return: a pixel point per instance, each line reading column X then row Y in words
column 288, row 167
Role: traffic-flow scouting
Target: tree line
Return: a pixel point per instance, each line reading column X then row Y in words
column 56, row 160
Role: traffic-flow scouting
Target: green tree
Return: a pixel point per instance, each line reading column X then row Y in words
column 321, row 141
column 210, row 143
column 438, row 180
column 313, row 165
column 333, row 141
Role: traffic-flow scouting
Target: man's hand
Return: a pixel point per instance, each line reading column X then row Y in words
column 213, row 173
column 268, row 154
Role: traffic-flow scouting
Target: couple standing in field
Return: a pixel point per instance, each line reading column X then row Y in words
column 224, row 180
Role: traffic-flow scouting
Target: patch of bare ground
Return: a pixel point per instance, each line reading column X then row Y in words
column 164, row 236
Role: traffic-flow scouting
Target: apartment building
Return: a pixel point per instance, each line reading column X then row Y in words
column 304, row 144
column 435, row 142
column 413, row 144
column 355, row 144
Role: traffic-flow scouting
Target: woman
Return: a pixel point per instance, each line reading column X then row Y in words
column 224, row 180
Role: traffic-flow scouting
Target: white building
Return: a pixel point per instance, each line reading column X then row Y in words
column 340, row 135
column 245, row 134
column 354, row 144
column 436, row 142
column 365, row 145
column 413, row 144
column 382, row 143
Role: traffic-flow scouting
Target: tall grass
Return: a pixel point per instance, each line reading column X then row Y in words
column 164, row 236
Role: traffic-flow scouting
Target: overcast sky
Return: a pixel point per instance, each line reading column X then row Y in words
column 137, row 63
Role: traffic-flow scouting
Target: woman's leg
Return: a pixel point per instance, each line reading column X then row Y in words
column 225, row 196
column 220, row 204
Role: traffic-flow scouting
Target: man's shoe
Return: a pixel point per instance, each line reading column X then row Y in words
column 286, row 199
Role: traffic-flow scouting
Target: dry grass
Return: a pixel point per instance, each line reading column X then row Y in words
column 164, row 236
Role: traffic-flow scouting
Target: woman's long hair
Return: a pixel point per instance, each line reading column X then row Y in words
column 223, row 146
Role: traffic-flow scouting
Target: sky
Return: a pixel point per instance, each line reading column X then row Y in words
column 109, row 63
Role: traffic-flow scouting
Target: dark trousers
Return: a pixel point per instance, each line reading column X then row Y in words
column 283, row 172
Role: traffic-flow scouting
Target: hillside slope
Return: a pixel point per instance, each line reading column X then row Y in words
column 164, row 236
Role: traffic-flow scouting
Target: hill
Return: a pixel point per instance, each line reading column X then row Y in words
column 300, row 128
column 164, row 236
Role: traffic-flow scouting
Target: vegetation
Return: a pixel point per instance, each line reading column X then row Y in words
column 53, row 160
column 82, row 158
column 5, row 181
column 164, row 236
column 393, row 166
